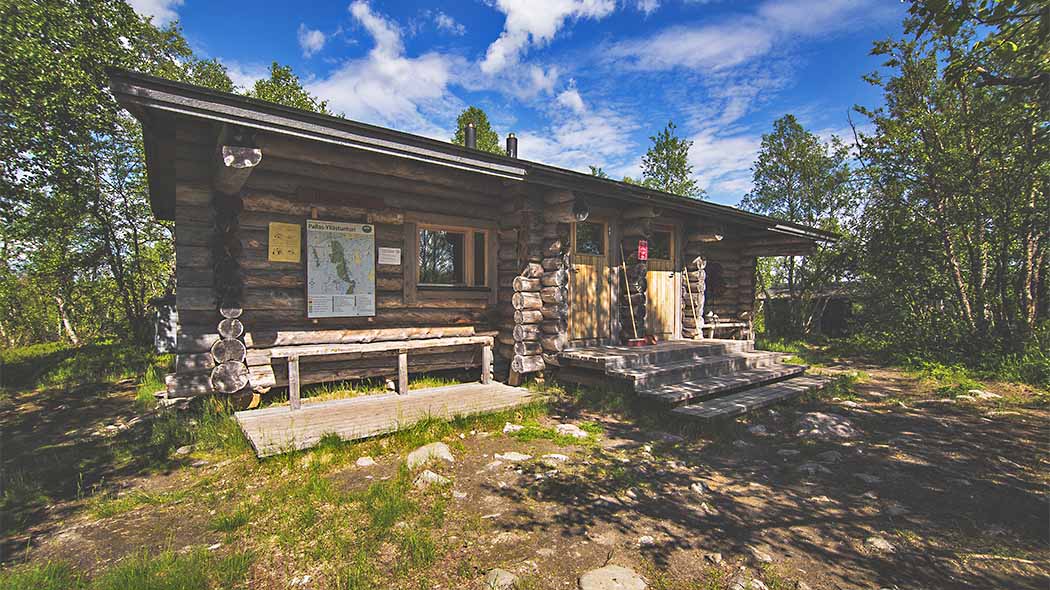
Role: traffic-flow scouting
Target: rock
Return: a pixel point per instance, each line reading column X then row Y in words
column 849, row 404
column 868, row 478
column 715, row 558
column 813, row 468
column 214, row 547
column 880, row 544
column 760, row 555
column 199, row 463
column 509, row 428
column 512, row 456
column 820, row 500
column 982, row 394
column 756, row 584
column 787, row 452
column 965, row 398
column 429, row 478
column 365, row 462
column 666, row 437
column 184, row 450
column 741, row 444
column 500, row 579
column 646, row 540
column 758, row 430
column 459, row 495
column 826, row 427
column 427, row 453
column 697, row 488
column 612, row 577
column 830, row 456
column 570, row 430
column 870, row 495
column 555, row 458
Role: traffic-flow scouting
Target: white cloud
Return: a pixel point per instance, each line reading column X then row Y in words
column 448, row 24
column 722, row 164
column 162, row 11
column 386, row 87
column 245, row 75
column 648, row 6
column 743, row 38
column 310, row 41
column 535, row 22
column 571, row 99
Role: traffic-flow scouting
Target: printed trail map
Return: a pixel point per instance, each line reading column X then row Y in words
column 341, row 269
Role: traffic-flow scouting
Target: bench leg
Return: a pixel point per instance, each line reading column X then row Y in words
column 293, row 383
column 486, row 364
column 402, row 372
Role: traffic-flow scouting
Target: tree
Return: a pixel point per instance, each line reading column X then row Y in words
column 799, row 178
column 283, row 87
column 73, row 195
column 666, row 167
column 1013, row 51
column 488, row 140
column 598, row 172
column 954, row 237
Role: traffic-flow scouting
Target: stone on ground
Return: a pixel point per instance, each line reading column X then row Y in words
column 612, row 577
column 868, row 478
column 365, row 462
column 715, row 558
column 982, row 394
column 512, row 456
column 826, row 426
column 813, row 468
column 429, row 478
column 760, row 555
column 500, row 579
column 758, row 430
column 880, row 544
column 427, row 453
column 697, row 488
column 570, row 430
column 509, row 428
column 646, row 540
column 830, row 456
column 787, row 452
column 741, row 444
column 184, row 450
column 555, row 458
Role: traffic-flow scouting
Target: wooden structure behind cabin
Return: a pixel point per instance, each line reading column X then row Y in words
column 468, row 244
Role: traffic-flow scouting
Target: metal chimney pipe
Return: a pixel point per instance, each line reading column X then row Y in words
column 472, row 136
column 512, row 145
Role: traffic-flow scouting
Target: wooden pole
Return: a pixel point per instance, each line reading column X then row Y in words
column 630, row 304
column 692, row 302
column 293, row 383
column 402, row 372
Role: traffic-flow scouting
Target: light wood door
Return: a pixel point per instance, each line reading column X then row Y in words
column 661, row 299
column 590, row 298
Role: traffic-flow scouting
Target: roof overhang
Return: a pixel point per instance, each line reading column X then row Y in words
column 157, row 103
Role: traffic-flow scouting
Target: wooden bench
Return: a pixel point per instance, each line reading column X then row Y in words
column 294, row 353
column 744, row 327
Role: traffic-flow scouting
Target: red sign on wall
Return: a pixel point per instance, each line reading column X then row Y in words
column 643, row 250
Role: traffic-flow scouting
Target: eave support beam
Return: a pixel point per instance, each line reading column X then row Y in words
column 235, row 164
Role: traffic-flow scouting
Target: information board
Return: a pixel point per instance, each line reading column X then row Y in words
column 340, row 269
column 284, row 242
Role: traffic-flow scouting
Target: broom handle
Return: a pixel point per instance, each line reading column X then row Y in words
column 689, row 288
column 627, row 284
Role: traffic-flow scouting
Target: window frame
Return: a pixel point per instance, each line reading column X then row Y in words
column 670, row 243
column 414, row 292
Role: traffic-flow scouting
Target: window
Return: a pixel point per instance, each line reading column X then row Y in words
column 452, row 257
column 590, row 238
column 660, row 245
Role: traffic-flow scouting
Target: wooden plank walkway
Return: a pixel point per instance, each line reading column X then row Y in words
column 748, row 400
column 278, row 429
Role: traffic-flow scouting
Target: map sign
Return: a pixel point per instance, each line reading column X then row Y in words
column 341, row 269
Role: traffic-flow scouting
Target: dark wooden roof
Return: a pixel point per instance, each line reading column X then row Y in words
column 157, row 102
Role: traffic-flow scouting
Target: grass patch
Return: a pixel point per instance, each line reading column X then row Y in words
column 227, row 523
column 416, row 549
column 105, row 506
column 387, row 502
column 40, row 576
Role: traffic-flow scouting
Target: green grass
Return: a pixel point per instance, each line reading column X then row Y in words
column 229, row 522
column 104, row 506
column 416, row 549
column 40, row 576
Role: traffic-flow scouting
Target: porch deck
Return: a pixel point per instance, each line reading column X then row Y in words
column 279, row 429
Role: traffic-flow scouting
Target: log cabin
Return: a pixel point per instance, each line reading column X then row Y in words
column 317, row 238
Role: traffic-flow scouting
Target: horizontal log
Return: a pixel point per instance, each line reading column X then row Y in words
column 526, row 364
column 555, row 197
column 526, row 284
column 532, row 270
column 259, row 339
column 555, row 278
column 555, row 263
column 194, row 362
column 525, row 300
column 553, row 294
column 328, row 352
column 559, row 213
column 528, row 316
column 523, row 332
column 233, row 166
column 639, row 213
column 554, row 342
column 557, row 326
column 527, row 348
column 555, row 312
column 637, row 228
column 259, row 201
column 554, row 247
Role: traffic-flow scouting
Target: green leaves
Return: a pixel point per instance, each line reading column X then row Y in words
column 488, row 140
column 666, row 167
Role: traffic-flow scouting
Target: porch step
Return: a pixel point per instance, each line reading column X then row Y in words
column 653, row 376
column 609, row 358
column 748, row 400
column 708, row 387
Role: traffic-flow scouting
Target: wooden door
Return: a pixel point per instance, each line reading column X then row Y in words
column 590, row 298
column 661, row 299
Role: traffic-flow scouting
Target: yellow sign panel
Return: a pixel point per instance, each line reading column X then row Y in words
column 284, row 242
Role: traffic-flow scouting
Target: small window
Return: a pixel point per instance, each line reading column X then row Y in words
column 452, row 257
column 660, row 245
column 590, row 238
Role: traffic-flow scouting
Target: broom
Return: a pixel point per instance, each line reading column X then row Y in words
column 630, row 304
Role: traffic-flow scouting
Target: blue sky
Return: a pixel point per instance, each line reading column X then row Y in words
column 579, row 81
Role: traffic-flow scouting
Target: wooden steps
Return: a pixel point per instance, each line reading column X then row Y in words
column 279, row 429
column 748, row 400
column 695, row 391
column 716, row 378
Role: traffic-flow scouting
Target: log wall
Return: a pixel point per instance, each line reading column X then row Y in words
column 294, row 181
column 736, row 302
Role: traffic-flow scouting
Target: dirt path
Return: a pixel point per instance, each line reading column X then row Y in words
column 928, row 494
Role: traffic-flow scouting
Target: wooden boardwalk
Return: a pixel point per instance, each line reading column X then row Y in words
column 279, row 429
